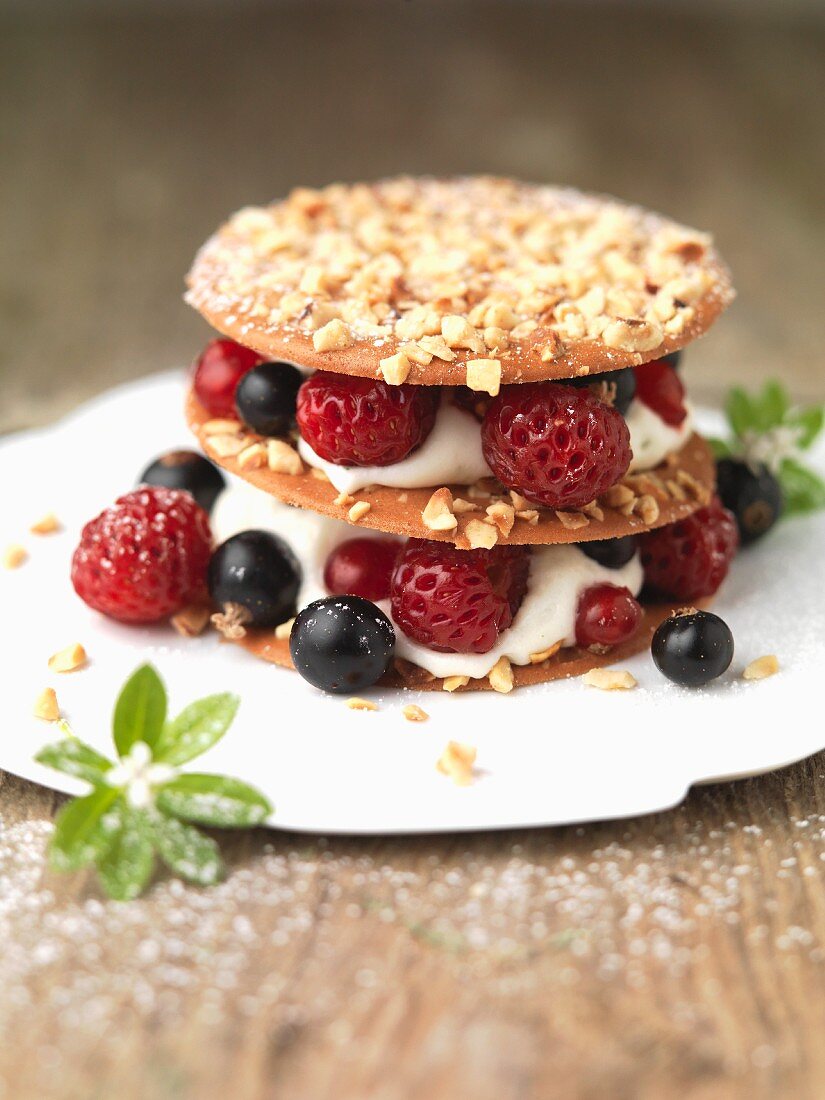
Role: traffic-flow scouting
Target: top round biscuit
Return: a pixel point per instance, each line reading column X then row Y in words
column 473, row 280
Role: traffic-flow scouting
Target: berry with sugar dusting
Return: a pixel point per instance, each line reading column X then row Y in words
column 266, row 396
column 556, row 445
column 364, row 421
column 189, row 471
column 342, row 644
column 690, row 558
column 606, row 615
column 692, row 647
column 753, row 495
column 217, row 372
column 255, row 576
column 144, row 558
column 458, row 601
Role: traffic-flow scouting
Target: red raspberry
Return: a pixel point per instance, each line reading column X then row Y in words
column 606, row 615
column 556, row 445
column 221, row 366
column 691, row 558
column 458, row 601
column 660, row 388
column 362, row 567
column 364, row 421
column 145, row 557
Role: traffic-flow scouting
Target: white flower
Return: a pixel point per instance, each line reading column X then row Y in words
column 772, row 447
column 139, row 775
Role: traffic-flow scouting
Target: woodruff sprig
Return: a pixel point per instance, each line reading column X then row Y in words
column 142, row 805
column 768, row 430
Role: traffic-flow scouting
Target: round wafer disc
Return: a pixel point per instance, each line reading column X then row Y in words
column 572, row 661
column 422, row 279
column 638, row 503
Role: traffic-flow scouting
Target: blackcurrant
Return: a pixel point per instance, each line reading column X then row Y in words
column 673, row 359
column 189, row 471
column 692, row 648
column 754, row 496
column 611, row 553
column 257, row 572
column 342, row 644
column 623, row 380
column 266, row 396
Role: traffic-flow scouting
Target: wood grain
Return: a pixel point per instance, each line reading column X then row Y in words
column 678, row 954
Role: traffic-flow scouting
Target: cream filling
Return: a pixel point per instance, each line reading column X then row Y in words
column 558, row 577
column 452, row 455
column 651, row 439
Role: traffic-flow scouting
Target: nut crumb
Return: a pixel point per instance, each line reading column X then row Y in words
column 68, row 659
column 226, row 446
column 481, row 535
column 545, row 654
column 501, row 676
column 14, row 556
column 343, row 500
column 282, row 458
column 191, row 621
column 46, row 706
column 572, row 521
column 456, row 761
column 453, row 683
column 609, row 679
column 395, row 368
column 503, row 516
column 413, row 713
column 46, row 525
column 438, row 511
column 332, row 336
column 361, row 704
column 222, row 427
column 253, row 457
column 358, row 510
column 461, row 506
column 485, row 375
column 761, row 668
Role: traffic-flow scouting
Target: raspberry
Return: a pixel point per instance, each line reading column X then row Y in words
column 660, row 388
column 364, row 421
column 361, row 567
column 458, row 601
column 556, row 445
column 221, row 366
column 691, row 558
column 145, row 557
column 606, row 615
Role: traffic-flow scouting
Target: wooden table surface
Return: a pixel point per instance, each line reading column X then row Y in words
column 678, row 954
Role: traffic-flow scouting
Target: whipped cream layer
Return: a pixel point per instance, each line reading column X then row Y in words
column 452, row 455
column 558, row 577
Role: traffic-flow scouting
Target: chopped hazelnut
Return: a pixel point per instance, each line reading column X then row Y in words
column 361, row 704
column 46, row 525
column 485, row 375
column 413, row 713
column 358, row 510
column 438, row 511
column 761, row 668
column 609, row 679
column 68, row 659
column 46, row 706
column 501, row 676
column 14, row 556
column 282, row 458
column 457, row 762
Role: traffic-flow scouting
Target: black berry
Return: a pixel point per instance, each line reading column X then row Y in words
column 342, row 643
column 257, row 572
column 611, row 553
column 673, row 359
column 189, row 471
column 624, row 382
column 692, row 648
column 754, row 497
column 266, row 396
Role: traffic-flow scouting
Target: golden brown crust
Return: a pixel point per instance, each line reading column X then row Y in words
column 546, row 282
column 573, row 661
column 640, row 502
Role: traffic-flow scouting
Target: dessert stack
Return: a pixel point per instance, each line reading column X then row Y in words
column 457, row 407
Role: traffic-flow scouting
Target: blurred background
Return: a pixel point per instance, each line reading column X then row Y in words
column 131, row 128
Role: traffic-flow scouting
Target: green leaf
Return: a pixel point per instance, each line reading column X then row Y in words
column 810, row 421
column 720, row 448
column 73, row 757
column 187, row 852
column 213, row 800
column 771, row 406
column 803, row 490
column 196, row 729
column 126, row 867
column 140, row 711
column 85, row 828
column 740, row 412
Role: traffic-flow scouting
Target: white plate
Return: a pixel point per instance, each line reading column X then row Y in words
column 551, row 754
